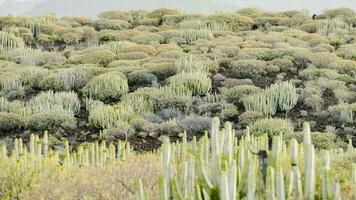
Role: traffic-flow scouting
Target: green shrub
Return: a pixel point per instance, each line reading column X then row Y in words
column 47, row 101
column 237, row 93
column 173, row 54
column 182, row 103
column 101, row 57
column 69, row 35
column 197, row 82
column 107, row 87
column 249, row 117
column 162, row 70
column 141, row 78
column 259, row 54
column 190, row 36
column 148, row 49
column 10, row 121
column 50, row 120
column 159, row 13
column 347, row 51
column 323, row 59
column 246, row 69
column 272, row 126
column 112, row 24
column 147, row 38
column 195, row 124
column 113, row 15
column 229, row 112
column 133, row 56
column 122, row 131
column 124, row 63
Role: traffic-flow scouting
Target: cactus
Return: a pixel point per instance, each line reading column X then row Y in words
column 219, row 167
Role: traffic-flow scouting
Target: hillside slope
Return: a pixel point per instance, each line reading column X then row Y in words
column 92, row 8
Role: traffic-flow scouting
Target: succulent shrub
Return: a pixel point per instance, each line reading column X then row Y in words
column 197, row 82
column 272, row 126
column 47, row 101
column 190, row 36
column 107, row 87
column 9, row 41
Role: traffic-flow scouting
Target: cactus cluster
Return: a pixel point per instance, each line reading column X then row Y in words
column 279, row 96
column 218, row 166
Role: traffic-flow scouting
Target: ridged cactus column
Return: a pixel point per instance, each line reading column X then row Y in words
column 309, row 164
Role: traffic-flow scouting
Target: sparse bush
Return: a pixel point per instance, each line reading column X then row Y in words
column 107, row 87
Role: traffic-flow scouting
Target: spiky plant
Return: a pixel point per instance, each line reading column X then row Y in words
column 9, row 41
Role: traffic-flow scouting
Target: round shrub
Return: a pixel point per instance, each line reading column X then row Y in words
column 50, row 120
column 195, row 124
column 141, row 78
column 236, row 93
column 182, row 103
column 147, row 38
column 272, row 126
column 148, row 49
column 112, row 24
column 122, row 131
column 107, row 87
column 249, row 117
column 101, row 57
column 162, row 70
column 259, row 54
column 133, row 56
column 229, row 112
column 10, row 121
column 197, row 82
column 247, row 68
